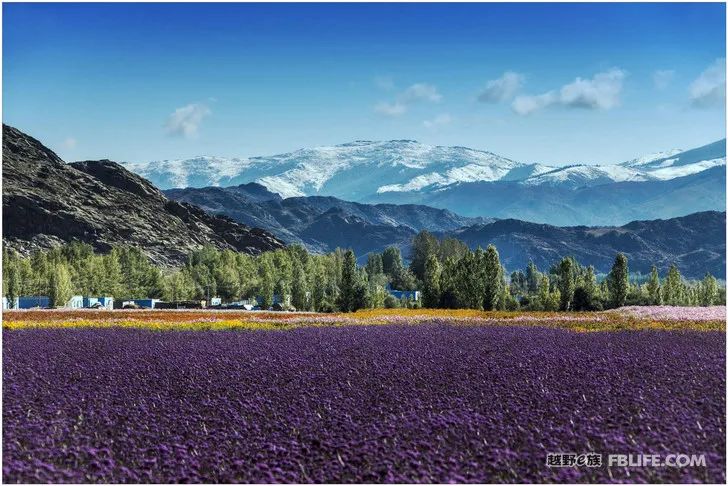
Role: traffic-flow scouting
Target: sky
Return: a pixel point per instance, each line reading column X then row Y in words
column 549, row 83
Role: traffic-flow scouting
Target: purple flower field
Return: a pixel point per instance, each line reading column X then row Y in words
column 427, row 403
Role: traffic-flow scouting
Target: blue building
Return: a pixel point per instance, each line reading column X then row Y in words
column 33, row 301
column 89, row 302
column 404, row 294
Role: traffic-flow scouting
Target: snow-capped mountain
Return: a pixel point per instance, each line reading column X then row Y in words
column 349, row 170
column 362, row 170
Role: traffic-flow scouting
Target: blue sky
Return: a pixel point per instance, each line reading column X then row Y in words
column 551, row 83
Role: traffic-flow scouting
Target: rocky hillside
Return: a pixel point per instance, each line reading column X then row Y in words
column 47, row 202
column 323, row 223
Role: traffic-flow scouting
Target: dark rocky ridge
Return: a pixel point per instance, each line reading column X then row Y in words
column 323, row 223
column 696, row 243
column 47, row 202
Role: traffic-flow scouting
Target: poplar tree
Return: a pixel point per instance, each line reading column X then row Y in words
column 348, row 282
column 708, row 290
column 431, row 289
column 566, row 282
column 618, row 281
column 493, row 278
column 532, row 278
column 672, row 290
column 423, row 245
column 391, row 261
column 60, row 285
column 653, row 287
column 299, row 288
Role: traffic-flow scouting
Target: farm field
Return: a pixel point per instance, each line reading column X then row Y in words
column 377, row 396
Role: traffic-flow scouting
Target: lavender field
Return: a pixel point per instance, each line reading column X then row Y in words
column 387, row 403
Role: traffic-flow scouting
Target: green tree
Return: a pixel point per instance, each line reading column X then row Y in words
column 60, row 285
column 708, row 290
column 347, row 295
column 618, row 281
column 452, row 248
column 267, row 281
column 12, row 286
column 518, row 284
column 178, row 285
column 673, row 287
column 586, row 294
column 391, row 261
column 543, row 292
column 377, row 290
column 533, row 278
column 492, row 278
column 374, row 264
column 448, row 283
column 299, row 290
column 403, row 279
column 227, row 282
column 468, row 281
column 566, row 282
column 431, row 289
column 423, row 245
column 653, row 287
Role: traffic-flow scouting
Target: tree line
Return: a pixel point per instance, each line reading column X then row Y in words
column 447, row 272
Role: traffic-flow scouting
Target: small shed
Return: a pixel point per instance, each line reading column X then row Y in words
column 10, row 305
column 75, row 302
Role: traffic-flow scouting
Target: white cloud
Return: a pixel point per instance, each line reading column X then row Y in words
column 390, row 109
column 70, row 143
column 662, row 78
column 439, row 120
column 598, row 93
column 601, row 92
column 421, row 92
column 418, row 92
column 501, row 89
column 708, row 89
column 186, row 120
column 527, row 104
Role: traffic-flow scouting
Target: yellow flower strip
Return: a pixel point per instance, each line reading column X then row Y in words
column 161, row 321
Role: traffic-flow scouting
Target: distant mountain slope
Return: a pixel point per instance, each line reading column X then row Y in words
column 466, row 181
column 695, row 243
column 607, row 204
column 322, row 223
column 47, row 202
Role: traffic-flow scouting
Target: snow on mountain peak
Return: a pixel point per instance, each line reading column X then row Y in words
column 359, row 169
column 646, row 159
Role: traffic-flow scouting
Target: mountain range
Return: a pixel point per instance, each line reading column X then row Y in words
column 323, row 223
column 696, row 243
column 47, row 202
column 471, row 182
